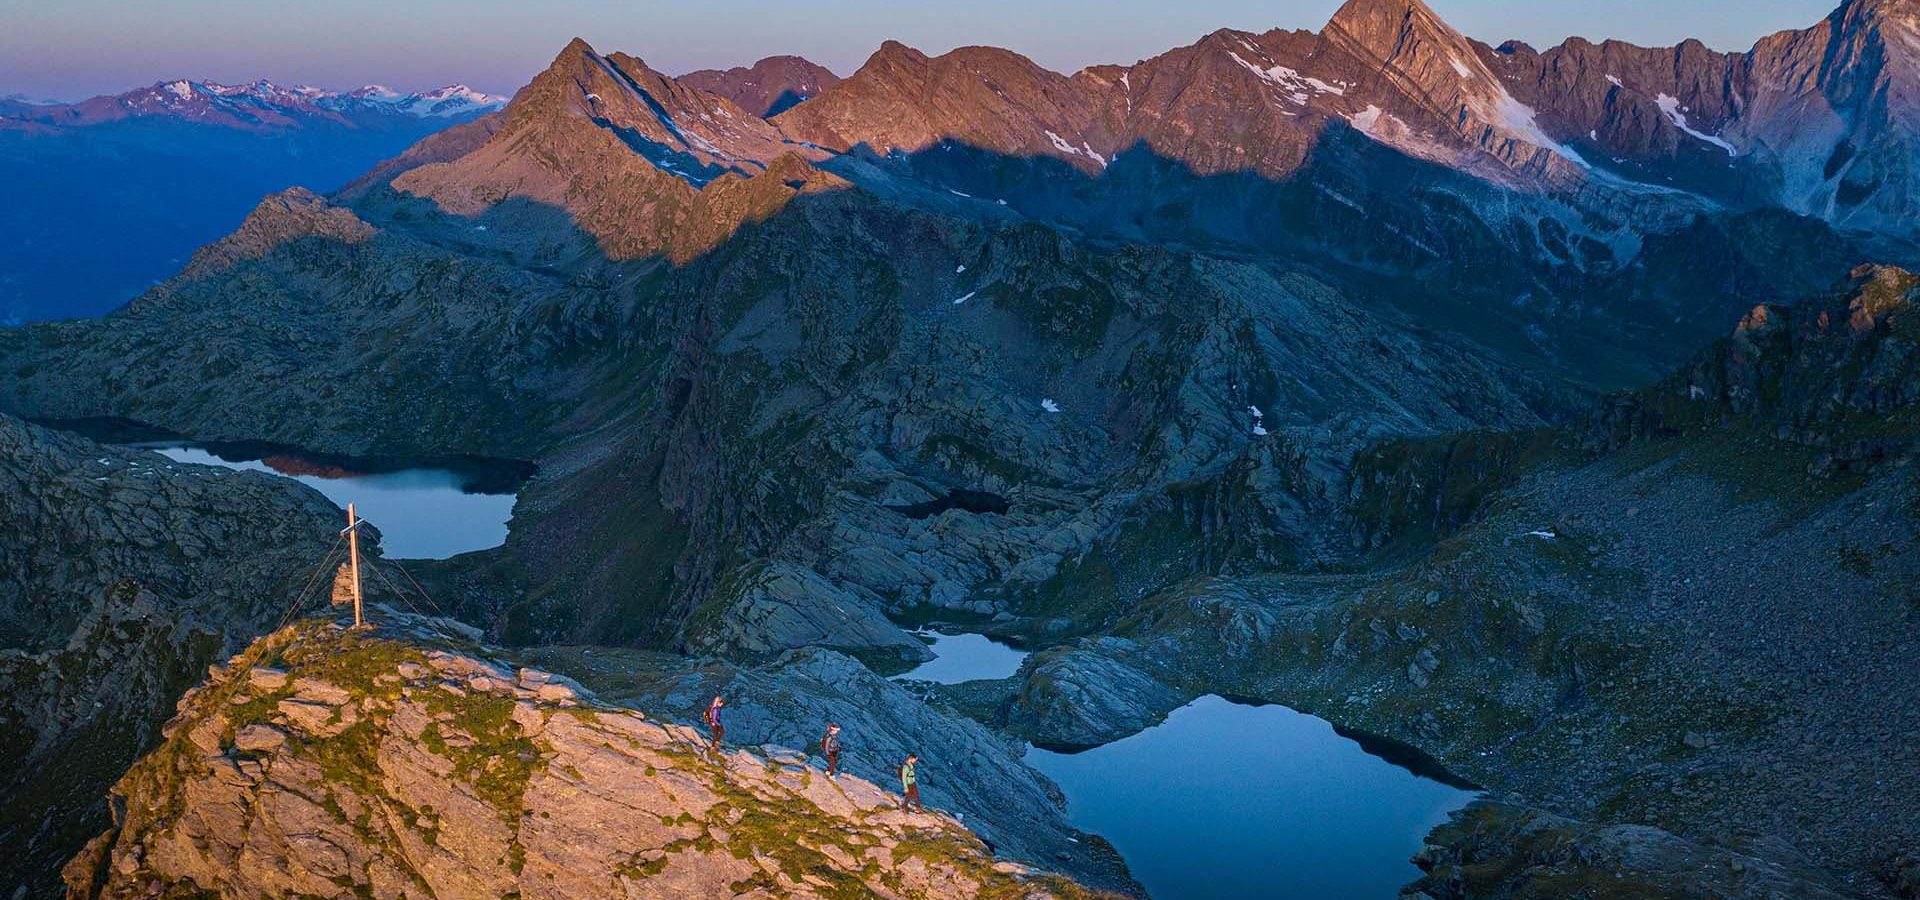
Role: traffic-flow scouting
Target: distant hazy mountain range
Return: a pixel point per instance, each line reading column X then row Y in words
column 256, row 105
column 110, row 194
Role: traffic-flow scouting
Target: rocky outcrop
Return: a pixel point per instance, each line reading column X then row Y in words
column 1494, row 850
column 1835, row 372
column 764, row 611
column 122, row 576
column 966, row 769
column 289, row 216
column 424, row 770
column 1079, row 698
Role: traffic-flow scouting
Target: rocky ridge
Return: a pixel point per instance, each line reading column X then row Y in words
column 644, row 163
column 768, row 87
column 338, row 764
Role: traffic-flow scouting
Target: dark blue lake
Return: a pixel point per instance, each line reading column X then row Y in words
column 964, row 657
column 1227, row 800
column 425, row 508
column 427, row 512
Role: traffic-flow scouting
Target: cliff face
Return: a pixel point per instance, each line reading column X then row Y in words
column 122, row 575
column 326, row 763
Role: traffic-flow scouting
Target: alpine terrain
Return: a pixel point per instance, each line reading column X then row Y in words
column 1546, row 416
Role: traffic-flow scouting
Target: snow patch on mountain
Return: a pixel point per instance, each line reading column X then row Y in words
column 1518, row 118
column 1060, row 144
column 1676, row 114
column 1297, row 87
column 1324, row 87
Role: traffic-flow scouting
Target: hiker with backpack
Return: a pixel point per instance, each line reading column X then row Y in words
column 716, row 730
column 910, row 784
column 830, row 748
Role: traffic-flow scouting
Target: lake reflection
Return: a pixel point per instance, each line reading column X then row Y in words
column 1231, row 800
column 422, row 513
column 965, row 657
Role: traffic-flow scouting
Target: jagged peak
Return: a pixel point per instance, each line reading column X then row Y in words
column 583, row 776
column 1223, row 37
column 1389, row 29
column 1871, row 20
column 1361, row 16
column 1877, row 8
column 577, row 73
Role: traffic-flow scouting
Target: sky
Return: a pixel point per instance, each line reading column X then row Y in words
column 69, row 49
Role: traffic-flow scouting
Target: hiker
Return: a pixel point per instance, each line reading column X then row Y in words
column 909, row 785
column 717, row 730
column 830, row 748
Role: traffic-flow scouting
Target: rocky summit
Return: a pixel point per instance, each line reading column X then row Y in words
column 327, row 763
column 1544, row 418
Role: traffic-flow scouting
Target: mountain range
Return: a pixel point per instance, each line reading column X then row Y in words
column 111, row 194
column 260, row 105
column 1511, row 404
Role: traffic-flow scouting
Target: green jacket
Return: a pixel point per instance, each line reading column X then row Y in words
column 906, row 775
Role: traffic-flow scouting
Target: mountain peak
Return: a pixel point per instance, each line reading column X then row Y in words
column 895, row 52
column 1370, row 12
column 1879, row 7
column 1879, row 15
column 1384, row 25
column 768, row 87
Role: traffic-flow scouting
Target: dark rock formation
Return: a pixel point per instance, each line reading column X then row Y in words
column 122, row 576
column 1685, row 613
column 1491, row 850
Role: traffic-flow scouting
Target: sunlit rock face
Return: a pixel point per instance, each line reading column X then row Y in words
column 326, row 763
